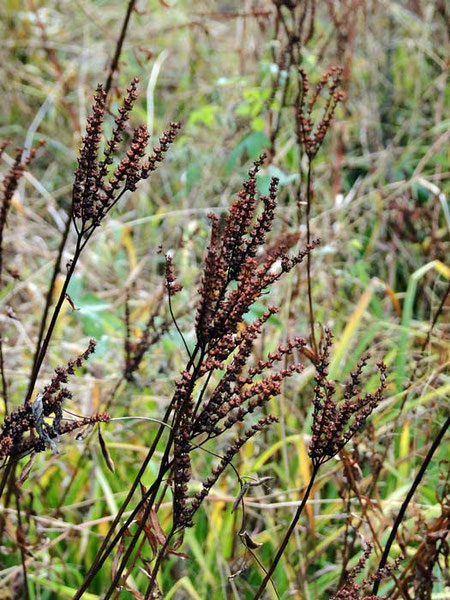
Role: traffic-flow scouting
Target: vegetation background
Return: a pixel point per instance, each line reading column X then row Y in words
column 380, row 278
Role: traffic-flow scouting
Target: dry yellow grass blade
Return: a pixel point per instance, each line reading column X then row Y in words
column 350, row 329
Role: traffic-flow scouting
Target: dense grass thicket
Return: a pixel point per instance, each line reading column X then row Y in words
column 224, row 294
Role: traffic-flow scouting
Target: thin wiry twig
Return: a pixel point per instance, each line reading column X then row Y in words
column 418, row 478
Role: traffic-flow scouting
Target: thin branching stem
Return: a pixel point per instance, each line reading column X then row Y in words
column 108, row 544
column 308, row 257
column 418, row 478
column 123, row 32
column 52, row 324
column 163, row 469
column 51, row 287
column 287, row 535
column 21, row 542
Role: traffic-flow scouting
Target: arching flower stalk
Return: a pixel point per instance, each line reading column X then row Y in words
column 335, row 422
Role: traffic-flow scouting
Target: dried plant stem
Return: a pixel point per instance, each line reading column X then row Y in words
column 180, row 333
column 48, row 299
column 287, row 536
column 119, row 44
column 21, row 543
column 2, row 363
column 364, row 516
column 107, row 545
column 83, row 237
column 41, row 355
column 159, row 559
column 8, row 476
column 146, row 501
column 152, row 492
column 308, row 258
column 62, row 245
column 3, row 376
column 408, row 498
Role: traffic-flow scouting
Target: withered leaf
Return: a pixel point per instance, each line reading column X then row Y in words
column 133, row 591
column 115, row 561
column 26, row 470
column 108, row 460
column 152, row 528
column 248, row 542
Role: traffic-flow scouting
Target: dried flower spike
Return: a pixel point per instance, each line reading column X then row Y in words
column 335, row 423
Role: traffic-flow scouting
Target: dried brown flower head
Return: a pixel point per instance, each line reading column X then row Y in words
column 336, row 422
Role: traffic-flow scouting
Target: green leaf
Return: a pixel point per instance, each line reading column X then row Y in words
column 252, row 145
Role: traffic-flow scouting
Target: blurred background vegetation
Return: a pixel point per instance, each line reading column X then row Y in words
column 379, row 276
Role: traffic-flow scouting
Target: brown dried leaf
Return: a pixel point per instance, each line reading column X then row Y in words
column 248, row 542
column 115, row 561
column 109, row 461
column 179, row 554
column 134, row 592
column 152, row 528
column 26, row 470
column 159, row 533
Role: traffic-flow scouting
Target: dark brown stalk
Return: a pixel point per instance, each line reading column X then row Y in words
column 159, row 559
column 56, row 311
column 7, row 478
column 21, row 543
column 119, row 44
column 164, row 466
column 308, row 258
column 106, row 549
column 51, row 287
column 62, row 245
column 3, row 376
column 148, row 506
column 287, row 536
column 408, row 498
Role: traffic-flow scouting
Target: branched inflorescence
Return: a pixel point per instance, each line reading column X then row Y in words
column 31, row 416
column 351, row 590
column 336, row 422
column 9, row 185
column 311, row 135
column 237, row 272
column 231, row 256
column 96, row 189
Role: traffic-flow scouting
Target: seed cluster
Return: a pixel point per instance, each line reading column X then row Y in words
column 352, row 590
column 238, row 269
column 336, row 422
column 311, row 135
column 96, row 190
column 231, row 256
column 29, row 418
column 8, row 187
